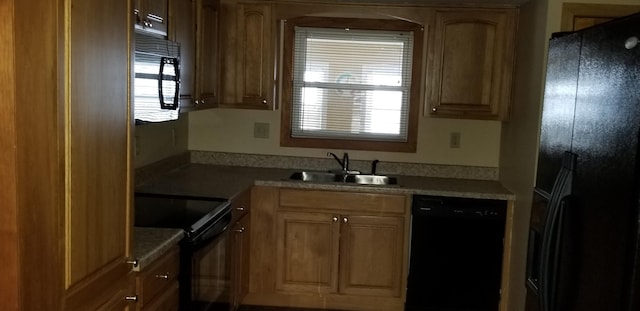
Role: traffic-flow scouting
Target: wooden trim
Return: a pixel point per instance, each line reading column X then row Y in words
column 505, row 284
column 9, row 236
column 287, row 84
column 572, row 10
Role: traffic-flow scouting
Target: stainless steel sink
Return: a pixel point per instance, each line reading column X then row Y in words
column 361, row 179
column 364, row 179
column 317, row 176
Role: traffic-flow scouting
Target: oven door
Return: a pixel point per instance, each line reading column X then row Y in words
column 206, row 270
column 210, row 277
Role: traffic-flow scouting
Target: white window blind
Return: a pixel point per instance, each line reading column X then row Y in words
column 351, row 84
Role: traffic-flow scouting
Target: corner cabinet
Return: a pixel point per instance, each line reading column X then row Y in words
column 196, row 28
column 472, row 53
column 247, row 55
column 333, row 249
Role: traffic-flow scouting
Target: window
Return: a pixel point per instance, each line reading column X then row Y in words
column 351, row 83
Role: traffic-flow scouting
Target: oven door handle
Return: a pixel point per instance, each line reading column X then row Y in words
column 211, row 232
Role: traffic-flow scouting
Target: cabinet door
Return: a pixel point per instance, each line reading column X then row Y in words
column 240, row 261
column 307, row 252
column 371, row 255
column 183, row 24
column 470, row 76
column 155, row 13
column 207, row 57
column 254, row 68
column 97, row 151
column 151, row 15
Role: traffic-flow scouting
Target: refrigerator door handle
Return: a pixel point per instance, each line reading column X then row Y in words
column 552, row 233
column 549, row 283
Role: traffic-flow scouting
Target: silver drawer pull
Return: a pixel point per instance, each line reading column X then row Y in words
column 131, row 298
column 134, row 262
column 240, row 209
column 240, row 230
column 163, row 276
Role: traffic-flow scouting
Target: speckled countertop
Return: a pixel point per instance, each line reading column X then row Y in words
column 151, row 243
column 228, row 181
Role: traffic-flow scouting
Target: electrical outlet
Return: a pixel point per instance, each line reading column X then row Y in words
column 454, row 140
column 260, row 130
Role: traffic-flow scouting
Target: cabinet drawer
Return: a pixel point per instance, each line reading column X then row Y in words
column 157, row 278
column 168, row 301
column 240, row 205
column 343, row 201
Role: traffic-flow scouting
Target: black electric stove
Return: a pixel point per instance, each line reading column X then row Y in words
column 205, row 222
column 191, row 213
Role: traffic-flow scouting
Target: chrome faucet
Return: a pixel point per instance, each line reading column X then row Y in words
column 344, row 163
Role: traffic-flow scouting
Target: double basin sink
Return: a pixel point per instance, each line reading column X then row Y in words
column 343, row 177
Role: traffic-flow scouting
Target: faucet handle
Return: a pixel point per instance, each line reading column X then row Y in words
column 374, row 166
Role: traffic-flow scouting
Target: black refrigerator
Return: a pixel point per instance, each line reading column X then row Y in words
column 583, row 237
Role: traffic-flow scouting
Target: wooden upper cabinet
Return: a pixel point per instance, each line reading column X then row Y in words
column 255, row 66
column 97, row 136
column 577, row 16
column 207, row 64
column 183, row 30
column 151, row 15
column 473, row 59
column 247, row 55
column 195, row 27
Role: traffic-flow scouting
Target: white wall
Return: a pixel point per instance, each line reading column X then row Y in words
column 156, row 141
column 231, row 130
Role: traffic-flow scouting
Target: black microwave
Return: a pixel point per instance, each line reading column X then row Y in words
column 156, row 85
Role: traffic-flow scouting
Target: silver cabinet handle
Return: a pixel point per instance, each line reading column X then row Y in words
column 134, row 262
column 434, row 109
column 163, row 276
column 345, row 220
column 240, row 230
column 264, row 101
column 240, row 209
column 133, row 298
column 335, row 219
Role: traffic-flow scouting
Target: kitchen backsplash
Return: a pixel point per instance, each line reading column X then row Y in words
column 323, row 164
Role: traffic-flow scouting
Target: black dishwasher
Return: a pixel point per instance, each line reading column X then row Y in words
column 456, row 254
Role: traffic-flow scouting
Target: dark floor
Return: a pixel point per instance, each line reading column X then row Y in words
column 262, row 308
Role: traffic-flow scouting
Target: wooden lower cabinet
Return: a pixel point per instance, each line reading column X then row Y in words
column 329, row 249
column 371, row 255
column 307, row 252
column 157, row 284
column 168, row 301
column 239, row 247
